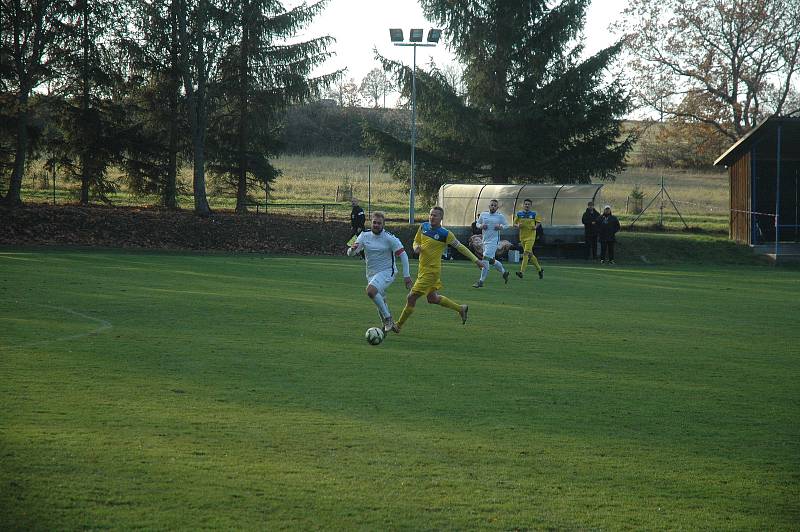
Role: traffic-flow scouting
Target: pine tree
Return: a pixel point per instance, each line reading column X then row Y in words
column 31, row 34
column 533, row 111
column 260, row 75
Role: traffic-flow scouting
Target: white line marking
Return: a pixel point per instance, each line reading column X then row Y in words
column 105, row 325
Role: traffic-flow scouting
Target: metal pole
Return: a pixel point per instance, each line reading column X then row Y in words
column 369, row 189
column 778, row 192
column 413, row 134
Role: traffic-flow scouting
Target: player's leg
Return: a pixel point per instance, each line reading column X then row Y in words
column 611, row 245
column 436, row 298
column 527, row 248
column 424, row 284
column 411, row 302
column 376, row 290
column 532, row 258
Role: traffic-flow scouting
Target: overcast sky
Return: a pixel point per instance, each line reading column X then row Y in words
column 361, row 25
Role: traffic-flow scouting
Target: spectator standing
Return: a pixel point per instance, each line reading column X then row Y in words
column 607, row 227
column 589, row 221
column 357, row 218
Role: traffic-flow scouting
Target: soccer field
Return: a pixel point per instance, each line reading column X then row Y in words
column 188, row 391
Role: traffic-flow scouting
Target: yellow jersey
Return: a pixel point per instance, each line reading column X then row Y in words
column 432, row 242
column 527, row 221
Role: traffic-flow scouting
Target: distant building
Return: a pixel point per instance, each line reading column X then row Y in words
column 764, row 173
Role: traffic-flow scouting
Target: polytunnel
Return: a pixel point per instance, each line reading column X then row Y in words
column 560, row 206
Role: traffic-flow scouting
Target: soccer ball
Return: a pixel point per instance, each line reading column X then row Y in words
column 374, row 335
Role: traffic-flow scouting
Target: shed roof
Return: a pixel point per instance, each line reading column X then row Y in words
column 764, row 138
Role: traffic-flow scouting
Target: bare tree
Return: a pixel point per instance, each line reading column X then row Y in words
column 374, row 86
column 345, row 93
column 453, row 73
column 724, row 63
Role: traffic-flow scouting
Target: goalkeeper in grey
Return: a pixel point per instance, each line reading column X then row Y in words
column 382, row 250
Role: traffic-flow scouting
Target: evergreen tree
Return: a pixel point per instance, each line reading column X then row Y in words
column 533, row 111
column 90, row 113
column 260, row 75
column 31, row 32
column 157, row 131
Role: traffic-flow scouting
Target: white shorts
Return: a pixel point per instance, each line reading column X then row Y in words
column 489, row 249
column 382, row 280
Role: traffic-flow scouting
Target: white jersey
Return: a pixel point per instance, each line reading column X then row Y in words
column 380, row 251
column 490, row 234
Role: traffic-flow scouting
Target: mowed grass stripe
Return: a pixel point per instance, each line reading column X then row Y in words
column 238, row 392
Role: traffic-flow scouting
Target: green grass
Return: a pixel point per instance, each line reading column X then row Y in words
column 187, row 391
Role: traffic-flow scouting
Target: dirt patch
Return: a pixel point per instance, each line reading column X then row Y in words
column 126, row 227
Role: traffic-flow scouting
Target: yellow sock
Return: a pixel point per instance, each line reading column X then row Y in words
column 524, row 265
column 449, row 303
column 535, row 262
column 407, row 311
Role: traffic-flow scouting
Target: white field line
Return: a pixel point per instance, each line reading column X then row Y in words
column 103, row 326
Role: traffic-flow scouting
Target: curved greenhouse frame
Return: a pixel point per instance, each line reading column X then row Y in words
column 560, row 206
column 557, row 204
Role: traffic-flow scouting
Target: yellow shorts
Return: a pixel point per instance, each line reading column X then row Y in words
column 527, row 245
column 427, row 283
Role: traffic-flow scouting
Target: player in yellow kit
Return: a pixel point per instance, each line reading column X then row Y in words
column 429, row 243
column 527, row 220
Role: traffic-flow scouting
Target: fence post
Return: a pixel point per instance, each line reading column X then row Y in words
column 323, row 213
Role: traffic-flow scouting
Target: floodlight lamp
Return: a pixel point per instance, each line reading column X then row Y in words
column 434, row 35
column 415, row 35
column 396, row 34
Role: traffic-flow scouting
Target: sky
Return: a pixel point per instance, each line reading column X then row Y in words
column 359, row 26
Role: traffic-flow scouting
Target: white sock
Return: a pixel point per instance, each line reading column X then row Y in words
column 383, row 308
column 484, row 273
column 499, row 266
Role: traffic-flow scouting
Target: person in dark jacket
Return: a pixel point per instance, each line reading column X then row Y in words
column 607, row 227
column 589, row 221
column 357, row 218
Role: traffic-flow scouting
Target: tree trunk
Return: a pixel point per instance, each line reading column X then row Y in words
column 13, row 196
column 85, row 156
column 241, row 178
column 170, row 192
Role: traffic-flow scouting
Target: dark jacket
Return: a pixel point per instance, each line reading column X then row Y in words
column 607, row 227
column 357, row 218
column 589, row 221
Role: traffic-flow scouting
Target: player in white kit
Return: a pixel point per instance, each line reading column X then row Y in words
column 491, row 223
column 381, row 251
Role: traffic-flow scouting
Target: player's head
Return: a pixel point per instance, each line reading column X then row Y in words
column 493, row 206
column 590, row 204
column 435, row 216
column 354, row 201
column 526, row 204
column 378, row 220
column 607, row 209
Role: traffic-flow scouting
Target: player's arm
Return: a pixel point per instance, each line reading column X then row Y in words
column 417, row 246
column 464, row 250
column 503, row 223
column 355, row 246
column 400, row 252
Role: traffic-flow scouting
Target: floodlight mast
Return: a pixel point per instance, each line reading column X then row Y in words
column 415, row 40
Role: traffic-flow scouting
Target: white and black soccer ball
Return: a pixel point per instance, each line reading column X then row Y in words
column 374, row 335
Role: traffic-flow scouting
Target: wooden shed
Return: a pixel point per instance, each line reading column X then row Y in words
column 764, row 173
